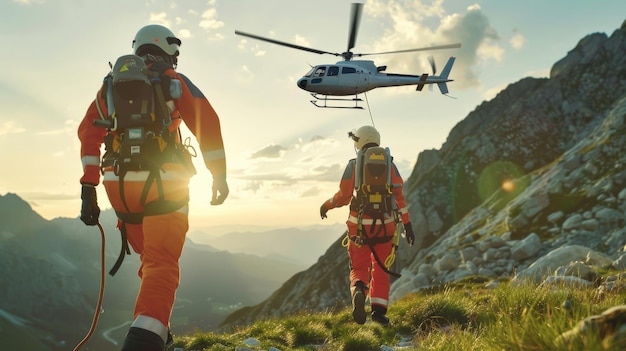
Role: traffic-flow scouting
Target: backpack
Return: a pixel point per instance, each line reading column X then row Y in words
column 374, row 197
column 141, row 136
column 373, row 182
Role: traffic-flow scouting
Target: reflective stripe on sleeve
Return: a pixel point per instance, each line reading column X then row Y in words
column 214, row 155
column 90, row 161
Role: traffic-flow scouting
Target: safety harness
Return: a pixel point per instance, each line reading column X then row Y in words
column 374, row 198
column 141, row 136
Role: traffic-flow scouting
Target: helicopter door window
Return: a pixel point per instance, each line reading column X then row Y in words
column 319, row 72
column 347, row 70
column 333, row 71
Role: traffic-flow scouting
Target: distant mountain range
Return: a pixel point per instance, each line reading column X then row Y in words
column 51, row 270
column 303, row 245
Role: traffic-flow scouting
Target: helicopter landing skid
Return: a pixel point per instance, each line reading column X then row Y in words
column 326, row 99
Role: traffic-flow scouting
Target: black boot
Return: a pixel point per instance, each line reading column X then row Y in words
column 169, row 344
column 139, row 339
column 378, row 315
column 358, row 303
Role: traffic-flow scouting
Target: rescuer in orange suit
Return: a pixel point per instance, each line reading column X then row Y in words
column 155, row 222
column 366, row 274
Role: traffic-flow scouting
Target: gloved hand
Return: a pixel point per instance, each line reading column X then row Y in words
column 220, row 190
column 89, row 211
column 323, row 210
column 410, row 236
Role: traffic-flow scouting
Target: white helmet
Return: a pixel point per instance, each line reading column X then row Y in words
column 365, row 135
column 157, row 35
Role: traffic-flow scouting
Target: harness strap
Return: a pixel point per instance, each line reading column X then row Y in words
column 123, row 252
column 384, row 268
column 360, row 239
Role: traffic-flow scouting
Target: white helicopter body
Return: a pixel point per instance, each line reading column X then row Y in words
column 353, row 77
column 359, row 76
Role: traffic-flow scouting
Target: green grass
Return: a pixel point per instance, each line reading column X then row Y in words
column 463, row 316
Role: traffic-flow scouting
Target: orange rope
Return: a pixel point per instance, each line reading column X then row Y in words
column 96, row 315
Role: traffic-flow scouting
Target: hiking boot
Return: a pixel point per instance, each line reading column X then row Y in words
column 380, row 319
column 378, row 315
column 144, row 340
column 358, row 306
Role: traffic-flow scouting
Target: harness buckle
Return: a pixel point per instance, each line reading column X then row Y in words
column 358, row 241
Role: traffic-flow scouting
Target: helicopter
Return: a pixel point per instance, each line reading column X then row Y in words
column 334, row 82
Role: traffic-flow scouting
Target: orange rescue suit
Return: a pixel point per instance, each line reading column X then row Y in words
column 363, row 264
column 156, row 236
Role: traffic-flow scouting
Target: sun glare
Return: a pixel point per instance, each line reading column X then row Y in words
column 508, row 185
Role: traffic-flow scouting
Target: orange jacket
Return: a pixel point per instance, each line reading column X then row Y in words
column 346, row 192
column 194, row 109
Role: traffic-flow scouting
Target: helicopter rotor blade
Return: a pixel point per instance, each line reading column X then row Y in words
column 278, row 42
column 437, row 47
column 355, row 20
column 431, row 60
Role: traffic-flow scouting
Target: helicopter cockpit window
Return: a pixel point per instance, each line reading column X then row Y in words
column 309, row 73
column 346, row 70
column 333, row 71
column 319, row 72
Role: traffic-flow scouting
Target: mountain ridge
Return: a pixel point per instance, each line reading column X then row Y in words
column 537, row 133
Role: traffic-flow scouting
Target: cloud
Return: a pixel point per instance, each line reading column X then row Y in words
column 489, row 94
column 184, row 34
column 10, row 128
column 310, row 192
column 29, row 2
column 209, row 21
column 413, row 24
column 160, row 18
column 270, row 151
column 259, row 52
column 252, row 186
column 302, row 41
column 32, row 196
column 330, row 173
column 517, row 40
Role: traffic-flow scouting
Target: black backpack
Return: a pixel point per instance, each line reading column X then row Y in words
column 140, row 136
column 138, row 116
column 373, row 182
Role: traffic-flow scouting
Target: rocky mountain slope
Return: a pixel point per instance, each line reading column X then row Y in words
column 538, row 169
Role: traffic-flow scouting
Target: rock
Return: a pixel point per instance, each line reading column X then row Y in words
column 561, row 256
column 526, row 248
column 572, row 222
column 608, row 327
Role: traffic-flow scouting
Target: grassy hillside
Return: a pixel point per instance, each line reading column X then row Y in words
column 464, row 316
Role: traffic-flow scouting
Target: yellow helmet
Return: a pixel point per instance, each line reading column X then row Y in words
column 159, row 36
column 365, row 135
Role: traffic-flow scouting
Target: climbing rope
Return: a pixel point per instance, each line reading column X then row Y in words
column 98, row 310
column 369, row 109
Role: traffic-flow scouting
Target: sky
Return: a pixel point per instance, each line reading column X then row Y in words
column 284, row 156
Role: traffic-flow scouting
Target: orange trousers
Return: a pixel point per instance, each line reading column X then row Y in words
column 158, row 239
column 365, row 268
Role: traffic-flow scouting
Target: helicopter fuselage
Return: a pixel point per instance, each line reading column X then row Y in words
column 354, row 77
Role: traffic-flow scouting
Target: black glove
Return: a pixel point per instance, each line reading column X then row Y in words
column 89, row 212
column 410, row 236
column 323, row 210
column 220, row 190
